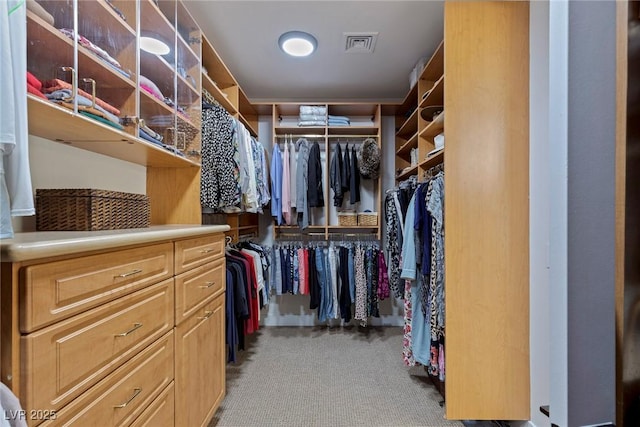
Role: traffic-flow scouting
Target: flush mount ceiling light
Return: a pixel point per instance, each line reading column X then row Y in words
column 154, row 45
column 297, row 43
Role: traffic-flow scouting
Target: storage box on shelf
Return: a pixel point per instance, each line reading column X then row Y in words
column 90, row 210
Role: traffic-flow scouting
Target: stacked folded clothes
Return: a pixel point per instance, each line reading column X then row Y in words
column 34, row 86
column 101, row 53
column 312, row 115
column 150, row 87
column 59, row 91
column 50, row 86
column 339, row 121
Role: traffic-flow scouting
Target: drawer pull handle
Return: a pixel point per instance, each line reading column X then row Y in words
column 207, row 285
column 207, row 314
column 135, row 326
column 206, row 251
column 136, row 391
column 129, row 273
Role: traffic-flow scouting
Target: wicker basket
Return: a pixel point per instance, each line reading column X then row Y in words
column 346, row 219
column 83, row 209
column 368, row 219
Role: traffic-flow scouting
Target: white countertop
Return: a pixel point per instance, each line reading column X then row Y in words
column 43, row 244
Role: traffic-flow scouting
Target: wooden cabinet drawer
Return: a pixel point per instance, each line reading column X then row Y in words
column 197, row 285
column 63, row 360
column 60, row 289
column 191, row 253
column 200, row 364
column 121, row 397
column 160, row 413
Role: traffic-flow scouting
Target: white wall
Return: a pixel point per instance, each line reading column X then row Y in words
column 539, row 208
column 293, row 310
column 56, row 165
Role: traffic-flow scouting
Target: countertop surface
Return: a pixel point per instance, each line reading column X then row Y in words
column 44, row 244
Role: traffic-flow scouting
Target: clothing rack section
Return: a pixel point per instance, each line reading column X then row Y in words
column 414, row 216
column 343, row 280
column 234, row 174
column 247, row 272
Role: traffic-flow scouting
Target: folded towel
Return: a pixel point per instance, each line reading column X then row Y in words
column 144, row 135
column 150, row 86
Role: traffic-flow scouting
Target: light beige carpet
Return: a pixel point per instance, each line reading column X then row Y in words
column 313, row 376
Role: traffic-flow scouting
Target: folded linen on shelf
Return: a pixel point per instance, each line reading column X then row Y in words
column 101, row 120
column 313, row 110
column 339, row 118
column 148, row 137
column 50, row 86
column 91, row 46
column 312, row 117
column 148, row 85
column 152, row 133
column 62, row 97
column 312, row 123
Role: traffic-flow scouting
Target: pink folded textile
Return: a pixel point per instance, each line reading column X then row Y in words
column 34, row 91
column 33, row 81
column 57, row 84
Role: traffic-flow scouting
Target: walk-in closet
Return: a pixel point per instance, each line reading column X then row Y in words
column 323, row 213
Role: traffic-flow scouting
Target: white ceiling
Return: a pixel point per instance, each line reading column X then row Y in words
column 245, row 34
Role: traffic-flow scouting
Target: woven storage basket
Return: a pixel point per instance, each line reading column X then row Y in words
column 347, row 219
column 84, row 209
column 368, row 219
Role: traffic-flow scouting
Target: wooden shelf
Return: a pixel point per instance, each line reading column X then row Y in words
column 352, row 130
column 407, row 146
column 217, row 94
column 98, row 14
column 436, row 95
column 435, row 67
column 159, row 71
column 433, row 160
column 413, row 170
column 153, row 21
column 216, row 69
column 433, row 128
column 301, row 130
column 187, row 94
column 64, row 126
column 410, row 126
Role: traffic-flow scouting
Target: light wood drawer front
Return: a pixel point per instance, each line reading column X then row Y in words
column 195, row 286
column 192, row 253
column 122, row 396
column 64, row 360
column 160, row 413
column 58, row 290
column 200, row 364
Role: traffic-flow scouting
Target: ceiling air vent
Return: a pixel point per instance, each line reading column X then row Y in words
column 360, row 42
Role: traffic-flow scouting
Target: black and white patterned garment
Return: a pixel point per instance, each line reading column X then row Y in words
column 220, row 179
column 393, row 248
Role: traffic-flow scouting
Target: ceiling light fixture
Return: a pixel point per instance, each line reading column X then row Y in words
column 154, row 45
column 297, row 43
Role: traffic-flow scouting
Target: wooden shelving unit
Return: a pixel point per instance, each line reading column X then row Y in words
column 364, row 123
column 416, row 132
